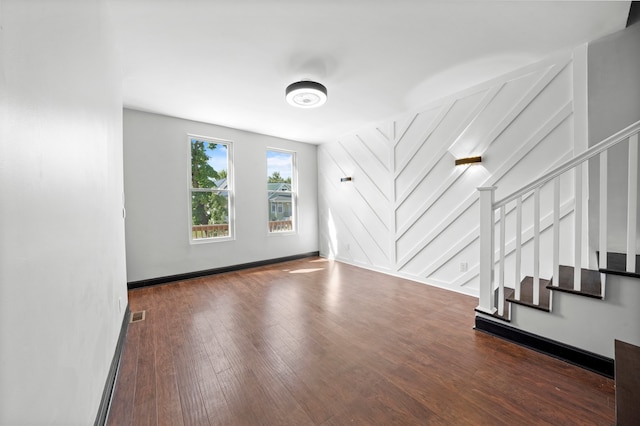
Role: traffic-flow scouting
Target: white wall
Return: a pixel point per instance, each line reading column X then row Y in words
column 408, row 210
column 156, row 162
column 614, row 103
column 62, row 260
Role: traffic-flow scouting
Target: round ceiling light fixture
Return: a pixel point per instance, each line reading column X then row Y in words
column 306, row 94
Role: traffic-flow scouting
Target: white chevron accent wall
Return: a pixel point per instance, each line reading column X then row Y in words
column 408, row 210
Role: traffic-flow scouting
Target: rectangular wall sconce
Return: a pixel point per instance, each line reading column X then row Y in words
column 468, row 160
column 345, row 179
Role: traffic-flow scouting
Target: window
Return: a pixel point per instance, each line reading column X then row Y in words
column 210, row 190
column 281, row 191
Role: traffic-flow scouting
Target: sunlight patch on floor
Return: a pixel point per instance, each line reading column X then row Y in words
column 306, row 271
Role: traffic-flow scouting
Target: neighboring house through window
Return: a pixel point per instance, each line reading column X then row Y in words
column 210, row 189
column 281, row 190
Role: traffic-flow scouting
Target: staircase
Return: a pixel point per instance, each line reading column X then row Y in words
column 591, row 286
column 542, row 284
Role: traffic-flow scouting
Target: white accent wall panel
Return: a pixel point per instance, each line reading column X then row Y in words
column 409, row 211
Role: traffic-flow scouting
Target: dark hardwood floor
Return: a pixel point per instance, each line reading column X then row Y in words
column 315, row 342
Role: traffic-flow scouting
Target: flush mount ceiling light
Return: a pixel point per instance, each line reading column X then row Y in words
column 306, row 94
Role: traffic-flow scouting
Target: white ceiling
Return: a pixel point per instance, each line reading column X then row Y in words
column 228, row 62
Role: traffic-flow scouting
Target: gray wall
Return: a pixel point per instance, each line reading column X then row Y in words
column 614, row 83
column 62, row 261
column 156, row 162
column 614, row 103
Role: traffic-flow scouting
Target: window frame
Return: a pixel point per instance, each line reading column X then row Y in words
column 293, row 192
column 230, row 191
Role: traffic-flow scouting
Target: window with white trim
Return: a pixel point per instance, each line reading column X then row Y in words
column 210, row 189
column 281, row 191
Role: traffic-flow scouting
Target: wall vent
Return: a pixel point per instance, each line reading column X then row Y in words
column 137, row 316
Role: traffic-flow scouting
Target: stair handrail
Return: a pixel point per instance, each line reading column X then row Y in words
column 581, row 158
column 488, row 206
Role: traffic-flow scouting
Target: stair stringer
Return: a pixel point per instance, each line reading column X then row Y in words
column 586, row 323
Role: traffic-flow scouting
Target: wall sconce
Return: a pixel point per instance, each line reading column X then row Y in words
column 346, row 179
column 468, row 160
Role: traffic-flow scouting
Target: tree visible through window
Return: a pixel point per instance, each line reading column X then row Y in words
column 281, row 190
column 211, row 213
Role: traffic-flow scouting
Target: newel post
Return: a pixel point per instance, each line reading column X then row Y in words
column 486, row 301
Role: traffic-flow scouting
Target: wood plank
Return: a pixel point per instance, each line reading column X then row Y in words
column 617, row 265
column 168, row 396
column 121, row 411
column 527, row 294
column 145, row 410
column 313, row 342
column 185, row 361
column 590, row 282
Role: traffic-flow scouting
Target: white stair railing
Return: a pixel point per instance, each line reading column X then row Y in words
column 489, row 207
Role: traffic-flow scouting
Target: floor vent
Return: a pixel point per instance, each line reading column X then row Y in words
column 137, row 316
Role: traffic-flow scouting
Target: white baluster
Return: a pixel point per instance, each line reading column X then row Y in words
column 501, row 270
column 577, row 270
column 632, row 203
column 556, row 231
column 536, row 246
column 604, row 202
column 518, row 246
column 487, row 235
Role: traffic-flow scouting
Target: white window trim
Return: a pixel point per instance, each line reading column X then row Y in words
column 294, row 194
column 230, row 189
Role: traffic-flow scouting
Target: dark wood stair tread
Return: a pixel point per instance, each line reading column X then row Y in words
column 617, row 265
column 526, row 294
column 590, row 283
column 508, row 292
